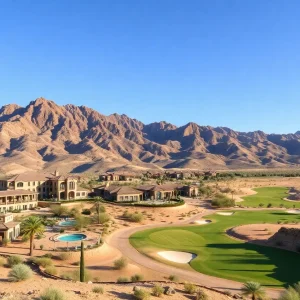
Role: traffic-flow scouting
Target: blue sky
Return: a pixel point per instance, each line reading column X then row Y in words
column 219, row 63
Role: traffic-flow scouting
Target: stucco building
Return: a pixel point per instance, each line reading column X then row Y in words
column 9, row 229
column 46, row 185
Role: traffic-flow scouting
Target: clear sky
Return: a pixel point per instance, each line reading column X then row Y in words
column 214, row 62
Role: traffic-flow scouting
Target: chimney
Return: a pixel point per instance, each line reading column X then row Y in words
column 56, row 173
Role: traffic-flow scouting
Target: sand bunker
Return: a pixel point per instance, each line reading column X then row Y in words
column 202, row 222
column 293, row 211
column 225, row 213
column 177, row 256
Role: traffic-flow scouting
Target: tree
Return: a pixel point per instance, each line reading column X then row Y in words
column 253, row 289
column 82, row 273
column 30, row 227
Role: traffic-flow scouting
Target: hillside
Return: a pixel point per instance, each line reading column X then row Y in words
column 44, row 135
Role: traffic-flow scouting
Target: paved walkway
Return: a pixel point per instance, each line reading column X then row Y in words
column 120, row 240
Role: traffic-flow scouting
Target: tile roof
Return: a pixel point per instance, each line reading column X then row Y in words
column 38, row 176
column 6, row 226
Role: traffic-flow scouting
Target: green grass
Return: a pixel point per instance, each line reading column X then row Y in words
column 266, row 195
column 222, row 256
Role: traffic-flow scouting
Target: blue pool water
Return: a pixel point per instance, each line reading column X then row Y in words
column 74, row 237
column 67, row 223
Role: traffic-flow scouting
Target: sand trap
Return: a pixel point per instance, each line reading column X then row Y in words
column 225, row 213
column 202, row 222
column 177, row 256
column 293, row 211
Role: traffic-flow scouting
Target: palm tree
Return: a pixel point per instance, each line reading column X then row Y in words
column 291, row 293
column 30, row 227
column 253, row 289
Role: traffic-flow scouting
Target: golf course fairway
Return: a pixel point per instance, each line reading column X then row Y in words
column 222, row 256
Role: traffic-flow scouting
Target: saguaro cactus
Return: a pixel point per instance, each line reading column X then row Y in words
column 82, row 274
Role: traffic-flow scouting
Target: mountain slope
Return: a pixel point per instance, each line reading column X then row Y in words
column 44, row 135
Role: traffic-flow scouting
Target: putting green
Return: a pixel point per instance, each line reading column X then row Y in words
column 221, row 256
column 272, row 195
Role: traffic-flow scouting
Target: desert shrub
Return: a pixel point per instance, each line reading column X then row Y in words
column 19, row 272
column 86, row 212
column 98, row 290
column 157, row 290
column 14, row 260
column 173, row 278
column 42, row 261
column 59, row 210
column 190, row 288
column 52, row 294
column 126, row 214
column 51, row 270
column 137, row 277
column 141, row 294
column 269, row 205
column 2, row 261
column 221, row 200
column 103, row 218
column 136, row 217
column 41, row 247
column 122, row 279
column 66, row 276
column 120, row 263
column 201, row 295
column 64, row 256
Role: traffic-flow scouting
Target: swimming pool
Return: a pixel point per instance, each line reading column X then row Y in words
column 73, row 237
column 67, row 223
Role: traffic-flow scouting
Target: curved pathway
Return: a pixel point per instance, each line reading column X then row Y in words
column 120, row 240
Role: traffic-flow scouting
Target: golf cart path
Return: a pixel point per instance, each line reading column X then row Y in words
column 120, row 240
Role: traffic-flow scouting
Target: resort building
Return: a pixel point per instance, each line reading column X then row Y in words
column 46, row 185
column 145, row 192
column 118, row 193
column 11, row 200
column 109, row 176
column 9, row 229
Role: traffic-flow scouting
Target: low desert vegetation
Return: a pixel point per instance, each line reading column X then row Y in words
column 190, row 288
column 173, row 278
column 59, row 211
column 221, row 200
column 254, row 290
column 141, row 294
column 98, row 290
column 64, row 256
column 121, row 263
column 53, row 294
column 157, row 290
column 20, row 272
column 14, row 260
column 201, row 295
column 42, row 261
column 51, row 270
column 291, row 293
column 137, row 277
column 122, row 280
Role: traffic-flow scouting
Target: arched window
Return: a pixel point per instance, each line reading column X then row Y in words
column 20, row 184
column 72, row 185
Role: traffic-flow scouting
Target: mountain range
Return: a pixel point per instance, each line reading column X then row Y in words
column 76, row 139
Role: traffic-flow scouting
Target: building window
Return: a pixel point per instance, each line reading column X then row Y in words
column 20, row 184
column 78, row 194
column 83, row 194
column 34, row 183
column 121, row 198
column 62, row 186
column 72, row 185
column 29, row 183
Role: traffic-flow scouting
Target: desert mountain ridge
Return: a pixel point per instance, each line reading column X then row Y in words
column 77, row 139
